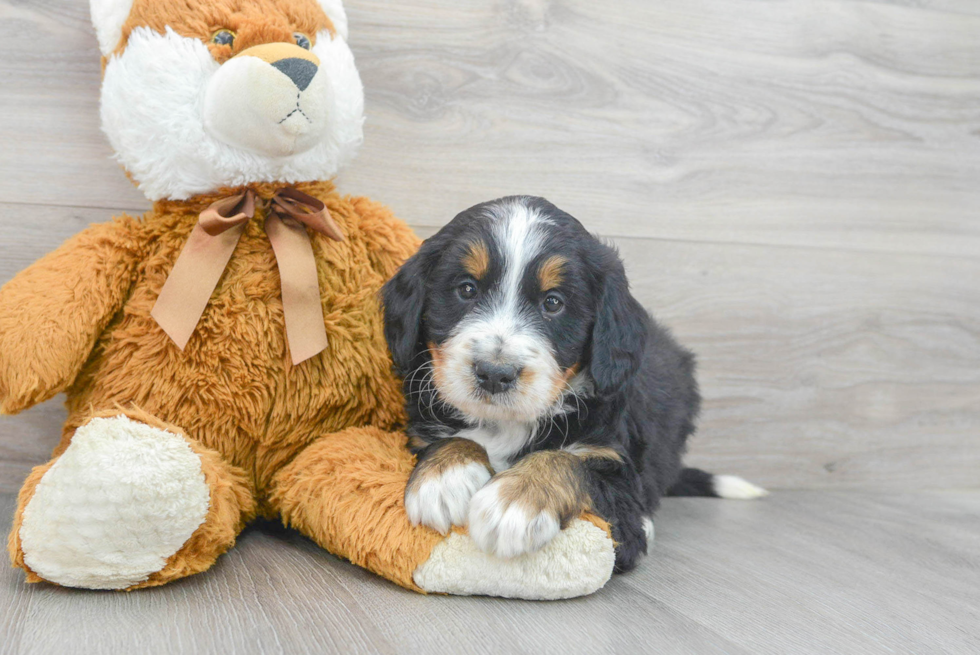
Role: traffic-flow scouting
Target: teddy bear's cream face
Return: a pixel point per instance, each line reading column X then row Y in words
column 271, row 99
column 189, row 111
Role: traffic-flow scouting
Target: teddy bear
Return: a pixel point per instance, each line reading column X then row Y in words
column 223, row 354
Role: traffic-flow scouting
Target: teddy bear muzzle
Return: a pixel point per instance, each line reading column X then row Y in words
column 270, row 99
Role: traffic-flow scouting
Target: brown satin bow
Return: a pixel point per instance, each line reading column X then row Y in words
column 198, row 269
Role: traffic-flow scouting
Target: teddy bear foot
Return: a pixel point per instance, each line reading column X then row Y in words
column 577, row 562
column 114, row 507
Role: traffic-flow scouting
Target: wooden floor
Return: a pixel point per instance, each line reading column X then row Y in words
column 793, row 185
column 795, row 188
column 799, row 572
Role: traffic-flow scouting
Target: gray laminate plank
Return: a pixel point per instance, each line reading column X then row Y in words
column 825, row 369
column 27, row 440
column 826, row 129
column 626, row 622
column 15, row 596
column 276, row 592
column 833, row 123
column 799, row 572
column 824, row 572
column 790, row 122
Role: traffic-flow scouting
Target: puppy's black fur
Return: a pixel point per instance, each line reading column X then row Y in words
column 643, row 398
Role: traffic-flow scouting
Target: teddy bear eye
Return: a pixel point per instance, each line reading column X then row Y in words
column 302, row 40
column 223, row 37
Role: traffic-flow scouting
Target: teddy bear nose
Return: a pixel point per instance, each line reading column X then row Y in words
column 300, row 71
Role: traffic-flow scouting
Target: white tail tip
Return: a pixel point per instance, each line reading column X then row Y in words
column 648, row 529
column 736, row 488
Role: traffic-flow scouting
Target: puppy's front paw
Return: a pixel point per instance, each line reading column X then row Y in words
column 523, row 508
column 508, row 528
column 441, row 486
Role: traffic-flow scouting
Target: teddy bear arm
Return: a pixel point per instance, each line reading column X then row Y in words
column 52, row 313
column 390, row 240
column 346, row 492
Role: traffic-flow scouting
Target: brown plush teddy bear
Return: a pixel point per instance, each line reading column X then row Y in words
column 223, row 354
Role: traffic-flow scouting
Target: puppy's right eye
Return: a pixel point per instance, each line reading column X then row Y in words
column 467, row 291
column 223, row 37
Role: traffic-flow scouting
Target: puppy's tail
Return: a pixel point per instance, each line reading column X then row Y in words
column 695, row 482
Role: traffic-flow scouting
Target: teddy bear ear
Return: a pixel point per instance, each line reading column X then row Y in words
column 108, row 17
column 334, row 9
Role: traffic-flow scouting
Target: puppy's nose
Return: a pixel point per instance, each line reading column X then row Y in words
column 300, row 71
column 496, row 378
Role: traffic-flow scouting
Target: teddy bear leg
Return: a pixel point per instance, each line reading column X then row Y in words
column 346, row 492
column 131, row 502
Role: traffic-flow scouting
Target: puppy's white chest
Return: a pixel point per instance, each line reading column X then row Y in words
column 501, row 440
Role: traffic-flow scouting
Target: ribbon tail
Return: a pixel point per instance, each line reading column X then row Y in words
column 301, row 305
column 194, row 277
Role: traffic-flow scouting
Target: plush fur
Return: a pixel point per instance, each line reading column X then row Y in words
column 167, row 453
column 169, row 100
column 233, row 389
column 524, row 354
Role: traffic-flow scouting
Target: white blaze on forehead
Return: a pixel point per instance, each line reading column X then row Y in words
column 504, row 330
column 518, row 231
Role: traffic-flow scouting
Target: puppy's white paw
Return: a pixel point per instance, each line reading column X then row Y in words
column 508, row 528
column 442, row 500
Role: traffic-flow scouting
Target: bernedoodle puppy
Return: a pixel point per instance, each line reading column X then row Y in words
column 537, row 386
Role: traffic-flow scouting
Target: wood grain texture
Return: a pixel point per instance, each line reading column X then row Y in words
column 834, row 124
column 793, row 185
column 799, row 572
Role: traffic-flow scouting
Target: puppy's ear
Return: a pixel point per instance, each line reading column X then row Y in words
column 619, row 335
column 403, row 297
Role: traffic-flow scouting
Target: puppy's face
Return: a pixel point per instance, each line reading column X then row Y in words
column 507, row 313
column 506, row 301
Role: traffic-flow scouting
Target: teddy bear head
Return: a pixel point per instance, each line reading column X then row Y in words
column 199, row 95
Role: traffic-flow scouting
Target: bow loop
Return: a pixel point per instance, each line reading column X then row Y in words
column 198, row 269
column 311, row 212
column 227, row 213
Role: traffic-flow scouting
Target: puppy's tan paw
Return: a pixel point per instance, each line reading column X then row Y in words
column 506, row 528
column 525, row 507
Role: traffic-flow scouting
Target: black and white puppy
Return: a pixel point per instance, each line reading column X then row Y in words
column 536, row 386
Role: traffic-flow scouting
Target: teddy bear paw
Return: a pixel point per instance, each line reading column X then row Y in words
column 122, row 499
column 576, row 562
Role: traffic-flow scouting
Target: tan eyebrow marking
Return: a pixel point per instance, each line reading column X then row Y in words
column 477, row 260
column 551, row 272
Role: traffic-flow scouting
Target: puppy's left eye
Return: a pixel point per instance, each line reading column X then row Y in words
column 552, row 304
column 302, row 40
column 467, row 291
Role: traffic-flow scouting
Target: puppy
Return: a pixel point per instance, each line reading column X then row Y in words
column 537, row 386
